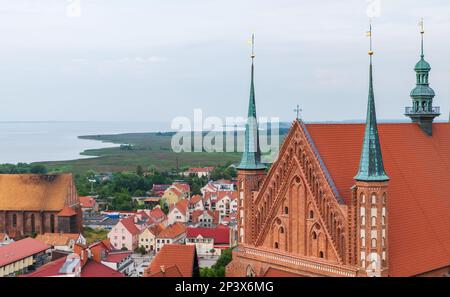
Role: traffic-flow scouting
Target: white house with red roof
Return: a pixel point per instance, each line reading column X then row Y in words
column 208, row 241
column 121, row 262
column 199, row 171
column 179, row 212
column 205, row 218
column 125, row 234
column 223, row 202
column 88, row 203
column 157, row 216
column 20, row 256
column 196, row 203
column 174, row 234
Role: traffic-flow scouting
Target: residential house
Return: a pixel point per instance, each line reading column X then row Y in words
column 205, row 218
column 196, row 203
column 174, row 261
column 176, row 192
column 174, row 234
column 179, row 212
column 147, row 238
column 208, row 241
column 124, row 236
column 21, row 256
column 88, row 203
column 199, row 172
column 62, row 241
column 151, row 202
column 83, row 262
column 158, row 190
column 121, row 262
column 223, row 202
column 157, row 216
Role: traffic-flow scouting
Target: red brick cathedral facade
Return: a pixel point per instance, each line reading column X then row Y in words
column 331, row 207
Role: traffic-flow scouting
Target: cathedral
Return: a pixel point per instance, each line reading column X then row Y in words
column 38, row 203
column 348, row 200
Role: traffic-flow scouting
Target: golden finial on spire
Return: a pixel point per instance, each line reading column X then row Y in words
column 369, row 34
column 253, row 46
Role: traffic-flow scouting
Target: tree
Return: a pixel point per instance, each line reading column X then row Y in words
column 38, row 169
column 218, row 269
column 139, row 170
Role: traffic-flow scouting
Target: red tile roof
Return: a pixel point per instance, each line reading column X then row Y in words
column 18, row 250
column 87, row 202
column 181, row 256
column 418, row 193
column 181, row 205
column 94, row 269
column 214, row 214
column 50, row 269
column 128, row 223
column 67, row 211
column 117, row 257
column 157, row 213
column 172, row 231
column 171, row 271
column 220, row 235
column 230, row 194
column 194, row 199
column 183, row 187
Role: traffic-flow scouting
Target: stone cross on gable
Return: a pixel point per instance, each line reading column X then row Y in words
column 298, row 110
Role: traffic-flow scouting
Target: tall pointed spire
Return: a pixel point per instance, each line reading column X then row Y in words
column 371, row 166
column 251, row 158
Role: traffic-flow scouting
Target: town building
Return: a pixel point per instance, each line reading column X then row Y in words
column 121, row 262
column 36, row 204
column 205, row 218
column 208, row 241
column 223, row 202
column 199, row 172
column 196, row 203
column 124, row 236
column 349, row 199
column 147, row 238
column 179, row 212
column 174, row 234
column 21, row 256
column 88, row 203
column 174, row 261
column 62, row 241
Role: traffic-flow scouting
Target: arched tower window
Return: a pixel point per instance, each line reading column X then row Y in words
column 33, row 223
column 321, row 255
column 374, row 243
column 281, row 230
column 275, row 245
column 52, row 223
column 363, row 220
column 374, row 199
column 311, row 214
column 314, row 235
column 374, row 221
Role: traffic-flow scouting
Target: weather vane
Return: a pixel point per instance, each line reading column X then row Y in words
column 422, row 32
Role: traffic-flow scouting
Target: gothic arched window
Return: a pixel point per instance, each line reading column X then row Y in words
column 374, row 243
column 314, row 235
column 321, row 254
column 14, row 220
column 276, row 245
column 286, row 210
column 311, row 214
column 281, row 230
column 374, row 221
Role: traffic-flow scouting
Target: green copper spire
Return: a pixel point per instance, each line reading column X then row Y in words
column 251, row 158
column 422, row 111
column 371, row 166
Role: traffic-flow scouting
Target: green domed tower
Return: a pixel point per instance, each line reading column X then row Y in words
column 422, row 111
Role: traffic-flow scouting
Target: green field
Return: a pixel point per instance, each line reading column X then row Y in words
column 148, row 149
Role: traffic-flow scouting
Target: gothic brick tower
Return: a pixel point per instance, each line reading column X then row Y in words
column 251, row 171
column 371, row 197
column 422, row 111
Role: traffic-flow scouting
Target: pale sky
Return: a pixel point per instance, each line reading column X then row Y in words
column 145, row 60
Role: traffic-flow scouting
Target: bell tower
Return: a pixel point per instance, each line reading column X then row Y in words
column 422, row 111
column 251, row 171
column 371, row 195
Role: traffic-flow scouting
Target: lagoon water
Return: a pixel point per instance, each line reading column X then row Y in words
column 56, row 141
